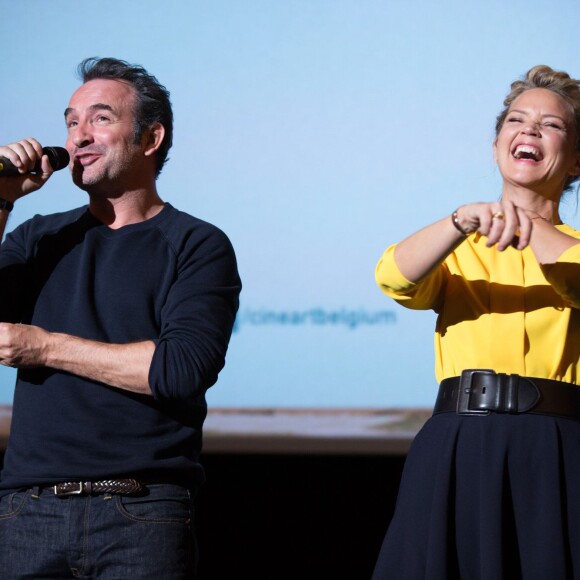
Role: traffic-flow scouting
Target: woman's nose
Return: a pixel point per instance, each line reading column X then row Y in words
column 530, row 128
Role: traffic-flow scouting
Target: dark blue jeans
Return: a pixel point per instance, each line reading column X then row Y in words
column 149, row 536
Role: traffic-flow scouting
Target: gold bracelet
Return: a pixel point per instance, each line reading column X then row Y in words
column 455, row 222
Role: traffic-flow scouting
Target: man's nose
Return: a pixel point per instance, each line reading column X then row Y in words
column 81, row 135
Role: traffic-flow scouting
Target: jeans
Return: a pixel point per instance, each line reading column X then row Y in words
column 147, row 536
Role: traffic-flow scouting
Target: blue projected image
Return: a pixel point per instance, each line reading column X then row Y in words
column 315, row 134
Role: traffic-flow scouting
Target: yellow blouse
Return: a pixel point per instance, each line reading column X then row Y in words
column 498, row 310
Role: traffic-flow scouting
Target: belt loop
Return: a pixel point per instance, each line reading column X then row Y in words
column 510, row 402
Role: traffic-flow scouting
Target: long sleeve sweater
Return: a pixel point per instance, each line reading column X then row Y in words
column 171, row 279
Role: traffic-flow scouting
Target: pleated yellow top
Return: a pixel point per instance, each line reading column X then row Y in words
column 498, row 310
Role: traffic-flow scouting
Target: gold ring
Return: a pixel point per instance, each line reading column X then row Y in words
column 498, row 215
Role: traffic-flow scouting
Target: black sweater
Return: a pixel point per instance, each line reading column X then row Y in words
column 171, row 279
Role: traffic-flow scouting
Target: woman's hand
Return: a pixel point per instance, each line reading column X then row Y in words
column 503, row 223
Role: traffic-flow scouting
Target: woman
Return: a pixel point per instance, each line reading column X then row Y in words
column 491, row 488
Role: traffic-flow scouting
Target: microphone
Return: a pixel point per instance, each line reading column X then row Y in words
column 58, row 157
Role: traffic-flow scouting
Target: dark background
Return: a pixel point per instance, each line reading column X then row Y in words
column 293, row 517
column 299, row 517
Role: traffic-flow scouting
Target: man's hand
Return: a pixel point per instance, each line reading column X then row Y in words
column 22, row 345
column 24, row 155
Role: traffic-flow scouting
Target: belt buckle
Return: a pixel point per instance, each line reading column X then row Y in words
column 465, row 391
column 78, row 491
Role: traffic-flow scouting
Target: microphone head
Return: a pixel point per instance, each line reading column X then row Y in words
column 58, row 157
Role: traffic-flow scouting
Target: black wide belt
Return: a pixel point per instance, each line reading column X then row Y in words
column 481, row 391
column 116, row 486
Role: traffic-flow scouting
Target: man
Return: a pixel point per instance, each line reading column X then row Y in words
column 117, row 316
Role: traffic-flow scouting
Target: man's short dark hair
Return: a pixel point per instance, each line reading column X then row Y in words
column 152, row 98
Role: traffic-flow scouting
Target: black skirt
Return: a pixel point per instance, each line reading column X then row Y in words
column 487, row 498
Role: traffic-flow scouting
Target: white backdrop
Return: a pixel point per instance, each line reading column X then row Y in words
column 315, row 133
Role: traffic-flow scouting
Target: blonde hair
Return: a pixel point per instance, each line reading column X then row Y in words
column 559, row 82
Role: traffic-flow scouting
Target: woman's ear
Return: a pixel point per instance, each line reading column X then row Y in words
column 576, row 167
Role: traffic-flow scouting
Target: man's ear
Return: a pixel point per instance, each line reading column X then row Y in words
column 495, row 150
column 153, row 138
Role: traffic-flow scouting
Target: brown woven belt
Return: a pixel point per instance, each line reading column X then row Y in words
column 481, row 391
column 116, row 486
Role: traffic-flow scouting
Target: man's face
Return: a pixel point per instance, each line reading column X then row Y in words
column 101, row 140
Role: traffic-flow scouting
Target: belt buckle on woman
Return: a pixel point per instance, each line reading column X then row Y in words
column 482, row 391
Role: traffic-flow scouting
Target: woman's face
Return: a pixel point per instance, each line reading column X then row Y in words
column 536, row 146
